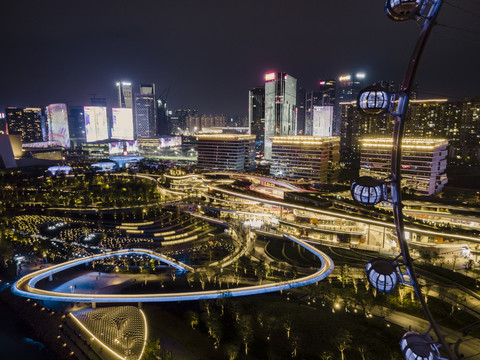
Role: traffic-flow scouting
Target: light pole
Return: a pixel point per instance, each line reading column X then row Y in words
column 383, row 273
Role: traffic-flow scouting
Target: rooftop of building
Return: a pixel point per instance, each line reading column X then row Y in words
column 418, row 101
column 407, row 143
column 225, row 137
column 304, row 140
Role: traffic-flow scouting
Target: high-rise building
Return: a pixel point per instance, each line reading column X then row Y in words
column 280, row 104
column 226, row 152
column 76, row 124
column 125, row 94
column 177, row 123
column 423, row 162
column 122, row 124
column 300, row 112
column 312, row 99
column 327, row 89
column 145, row 112
column 28, row 122
column 256, row 116
column 306, row 157
column 162, row 117
column 58, row 131
column 347, row 89
column 96, row 123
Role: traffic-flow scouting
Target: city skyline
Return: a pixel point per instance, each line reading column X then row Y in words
column 203, row 47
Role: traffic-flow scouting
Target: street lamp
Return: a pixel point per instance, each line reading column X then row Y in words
column 375, row 102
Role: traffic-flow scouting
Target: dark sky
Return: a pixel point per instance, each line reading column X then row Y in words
column 212, row 52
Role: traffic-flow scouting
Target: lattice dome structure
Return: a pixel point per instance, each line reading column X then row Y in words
column 123, row 329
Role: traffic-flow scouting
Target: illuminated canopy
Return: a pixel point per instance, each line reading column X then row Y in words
column 59, row 169
column 105, row 166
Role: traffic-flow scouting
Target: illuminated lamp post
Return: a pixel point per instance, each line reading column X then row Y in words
column 370, row 102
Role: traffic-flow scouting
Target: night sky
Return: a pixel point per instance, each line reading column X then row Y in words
column 211, row 53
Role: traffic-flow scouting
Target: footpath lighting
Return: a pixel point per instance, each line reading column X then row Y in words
column 382, row 275
column 369, row 191
column 373, row 100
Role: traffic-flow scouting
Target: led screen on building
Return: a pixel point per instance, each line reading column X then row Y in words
column 166, row 142
column 118, row 147
column 96, row 127
column 57, row 117
column 322, row 120
column 122, row 124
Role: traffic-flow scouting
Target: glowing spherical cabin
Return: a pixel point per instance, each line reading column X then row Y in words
column 369, row 191
column 382, row 275
column 416, row 346
column 401, row 10
column 373, row 100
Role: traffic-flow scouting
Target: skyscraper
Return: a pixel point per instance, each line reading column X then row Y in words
column 145, row 112
column 300, row 111
column 256, row 116
column 347, row 90
column 76, row 124
column 58, row 131
column 125, row 94
column 280, row 104
column 27, row 122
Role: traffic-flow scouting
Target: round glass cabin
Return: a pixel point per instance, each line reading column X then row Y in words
column 373, row 100
column 381, row 273
column 416, row 346
column 401, row 10
column 369, row 191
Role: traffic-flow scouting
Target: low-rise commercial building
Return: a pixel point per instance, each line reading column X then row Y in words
column 308, row 157
column 423, row 162
column 226, row 152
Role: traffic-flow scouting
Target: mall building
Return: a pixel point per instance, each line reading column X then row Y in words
column 226, row 152
column 424, row 162
column 307, row 157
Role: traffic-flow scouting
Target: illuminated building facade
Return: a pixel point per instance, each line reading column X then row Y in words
column 280, row 104
column 256, row 116
column 96, row 126
column 423, row 162
column 125, row 94
column 226, row 152
column 145, row 115
column 28, row 122
column 122, row 124
column 306, row 157
column 58, row 130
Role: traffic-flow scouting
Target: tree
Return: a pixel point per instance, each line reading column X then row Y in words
column 245, row 328
column 153, row 351
column 231, row 350
column 343, row 340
